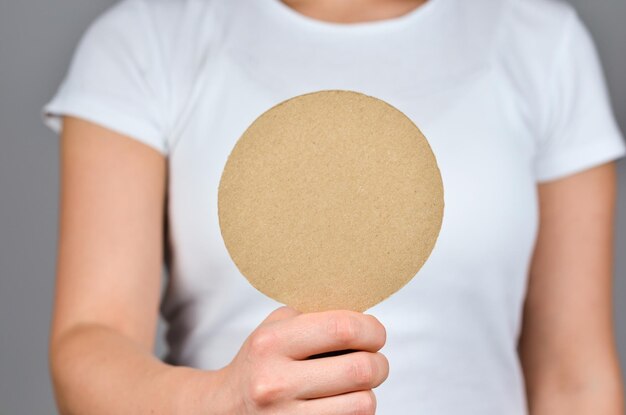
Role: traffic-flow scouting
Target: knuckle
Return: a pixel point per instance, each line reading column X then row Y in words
column 365, row 404
column 262, row 341
column 362, row 370
column 344, row 328
column 265, row 390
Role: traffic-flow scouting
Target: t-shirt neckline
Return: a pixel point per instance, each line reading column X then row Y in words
column 293, row 17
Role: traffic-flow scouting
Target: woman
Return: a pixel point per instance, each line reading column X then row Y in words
column 510, row 315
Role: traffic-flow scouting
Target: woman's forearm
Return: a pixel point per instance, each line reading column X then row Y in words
column 599, row 393
column 96, row 370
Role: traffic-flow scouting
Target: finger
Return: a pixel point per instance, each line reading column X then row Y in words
column 313, row 333
column 281, row 313
column 362, row 402
column 340, row 374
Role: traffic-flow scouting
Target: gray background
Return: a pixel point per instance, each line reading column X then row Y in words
column 37, row 38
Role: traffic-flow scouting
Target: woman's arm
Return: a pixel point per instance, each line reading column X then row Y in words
column 567, row 344
column 108, row 277
column 106, row 308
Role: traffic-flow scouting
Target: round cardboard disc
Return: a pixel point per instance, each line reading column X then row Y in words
column 330, row 200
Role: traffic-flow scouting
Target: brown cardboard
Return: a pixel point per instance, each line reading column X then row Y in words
column 330, row 200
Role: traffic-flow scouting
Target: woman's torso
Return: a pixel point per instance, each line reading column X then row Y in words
column 452, row 331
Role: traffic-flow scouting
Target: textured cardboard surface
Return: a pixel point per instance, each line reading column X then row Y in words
column 330, row 200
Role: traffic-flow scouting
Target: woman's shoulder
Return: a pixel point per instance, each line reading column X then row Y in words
column 136, row 64
column 532, row 39
column 523, row 33
column 165, row 40
column 167, row 22
column 534, row 28
column 540, row 13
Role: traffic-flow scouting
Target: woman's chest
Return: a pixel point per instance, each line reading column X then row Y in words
column 484, row 155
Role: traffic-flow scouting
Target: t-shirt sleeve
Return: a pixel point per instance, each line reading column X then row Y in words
column 115, row 78
column 579, row 129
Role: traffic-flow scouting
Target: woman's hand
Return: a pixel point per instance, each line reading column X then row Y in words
column 272, row 374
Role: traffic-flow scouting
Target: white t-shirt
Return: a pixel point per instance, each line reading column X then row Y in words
column 508, row 92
